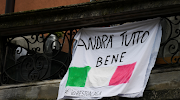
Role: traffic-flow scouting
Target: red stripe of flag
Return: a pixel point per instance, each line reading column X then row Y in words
column 122, row 74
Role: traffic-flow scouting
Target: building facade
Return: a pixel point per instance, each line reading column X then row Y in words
column 36, row 46
column 21, row 5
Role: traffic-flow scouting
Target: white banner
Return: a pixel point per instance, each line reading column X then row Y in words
column 112, row 61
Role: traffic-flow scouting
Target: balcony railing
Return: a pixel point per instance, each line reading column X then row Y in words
column 169, row 52
column 45, row 56
column 37, row 57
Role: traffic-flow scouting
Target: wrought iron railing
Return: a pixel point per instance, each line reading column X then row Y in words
column 45, row 56
column 37, row 57
column 170, row 43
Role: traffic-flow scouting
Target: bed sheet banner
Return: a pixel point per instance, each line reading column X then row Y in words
column 112, row 61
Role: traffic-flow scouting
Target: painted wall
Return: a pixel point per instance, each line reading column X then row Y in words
column 24, row 5
column 2, row 6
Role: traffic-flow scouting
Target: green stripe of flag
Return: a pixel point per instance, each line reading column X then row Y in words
column 77, row 76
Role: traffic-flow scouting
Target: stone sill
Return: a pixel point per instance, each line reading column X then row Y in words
column 30, row 84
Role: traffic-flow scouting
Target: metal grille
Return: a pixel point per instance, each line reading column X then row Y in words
column 170, row 42
column 37, row 57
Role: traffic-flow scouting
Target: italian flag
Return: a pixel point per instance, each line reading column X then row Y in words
column 99, row 76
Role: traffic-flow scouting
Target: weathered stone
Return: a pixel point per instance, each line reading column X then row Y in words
column 47, row 90
column 74, row 12
column 166, row 80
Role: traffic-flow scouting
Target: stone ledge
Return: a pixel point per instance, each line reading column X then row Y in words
column 30, row 84
column 47, row 90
